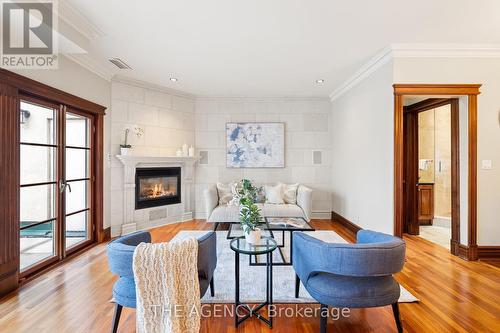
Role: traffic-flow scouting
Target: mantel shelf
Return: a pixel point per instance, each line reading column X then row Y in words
column 135, row 159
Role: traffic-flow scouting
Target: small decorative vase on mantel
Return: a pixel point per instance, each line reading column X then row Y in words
column 125, row 150
column 126, row 147
column 249, row 212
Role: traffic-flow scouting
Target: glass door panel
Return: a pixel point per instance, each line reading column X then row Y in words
column 78, row 180
column 38, row 192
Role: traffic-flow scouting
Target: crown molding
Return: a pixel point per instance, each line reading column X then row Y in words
column 152, row 86
column 264, row 99
column 87, row 62
column 77, row 21
column 446, row 50
column 380, row 59
column 415, row 51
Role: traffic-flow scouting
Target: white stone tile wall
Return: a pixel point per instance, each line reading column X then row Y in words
column 307, row 128
column 168, row 121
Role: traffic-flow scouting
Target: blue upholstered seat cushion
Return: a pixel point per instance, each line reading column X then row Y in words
column 124, row 292
column 353, row 292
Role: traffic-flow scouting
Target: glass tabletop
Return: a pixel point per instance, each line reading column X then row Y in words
column 264, row 245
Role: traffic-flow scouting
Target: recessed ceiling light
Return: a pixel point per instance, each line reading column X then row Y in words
column 174, row 79
column 320, row 81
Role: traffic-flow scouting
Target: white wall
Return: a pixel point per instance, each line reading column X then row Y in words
column 307, row 128
column 167, row 120
column 74, row 79
column 362, row 149
column 470, row 70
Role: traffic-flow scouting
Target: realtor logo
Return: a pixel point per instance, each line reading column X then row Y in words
column 28, row 34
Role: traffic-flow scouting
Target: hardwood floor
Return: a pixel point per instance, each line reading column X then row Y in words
column 456, row 296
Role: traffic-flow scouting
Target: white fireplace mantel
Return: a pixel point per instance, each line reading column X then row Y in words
column 151, row 217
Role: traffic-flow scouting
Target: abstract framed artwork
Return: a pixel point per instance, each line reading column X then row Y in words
column 255, row 145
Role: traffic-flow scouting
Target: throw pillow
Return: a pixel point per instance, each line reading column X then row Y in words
column 261, row 195
column 290, row 193
column 235, row 201
column 224, row 192
column 274, row 194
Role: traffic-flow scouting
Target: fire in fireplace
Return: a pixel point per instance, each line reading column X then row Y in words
column 157, row 187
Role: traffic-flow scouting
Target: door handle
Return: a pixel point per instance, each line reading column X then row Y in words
column 63, row 185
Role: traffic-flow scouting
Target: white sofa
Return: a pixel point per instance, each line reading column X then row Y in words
column 230, row 213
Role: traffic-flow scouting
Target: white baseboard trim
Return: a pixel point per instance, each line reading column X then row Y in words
column 322, row 215
column 116, row 230
column 132, row 227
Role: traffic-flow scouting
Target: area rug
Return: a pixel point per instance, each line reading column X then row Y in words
column 253, row 278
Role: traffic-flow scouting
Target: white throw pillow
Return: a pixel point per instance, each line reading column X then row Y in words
column 235, row 201
column 224, row 192
column 274, row 194
column 290, row 193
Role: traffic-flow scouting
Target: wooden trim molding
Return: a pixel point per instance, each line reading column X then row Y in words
column 463, row 251
column 398, row 166
column 488, row 252
column 436, row 89
column 100, row 233
column 472, row 177
column 351, row 227
column 455, row 177
column 105, row 236
column 469, row 90
column 426, row 104
column 9, row 191
column 13, row 88
column 31, row 87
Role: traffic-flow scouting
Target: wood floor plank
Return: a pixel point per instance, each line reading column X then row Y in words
column 456, row 296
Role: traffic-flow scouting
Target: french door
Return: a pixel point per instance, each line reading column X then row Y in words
column 56, row 182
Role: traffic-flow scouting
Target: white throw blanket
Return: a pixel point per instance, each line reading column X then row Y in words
column 167, row 287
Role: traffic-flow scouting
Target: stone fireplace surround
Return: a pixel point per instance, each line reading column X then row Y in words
column 137, row 219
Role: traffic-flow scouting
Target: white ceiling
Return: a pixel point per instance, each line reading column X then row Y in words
column 271, row 47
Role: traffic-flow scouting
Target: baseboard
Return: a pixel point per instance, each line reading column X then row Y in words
column 351, row 227
column 105, row 235
column 463, row 251
column 146, row 225
column 488, row 252
column 468, row 252
column 321, row 215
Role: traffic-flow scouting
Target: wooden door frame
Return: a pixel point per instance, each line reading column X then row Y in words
column 413, row 110
column 468, row 251
column 12, row 87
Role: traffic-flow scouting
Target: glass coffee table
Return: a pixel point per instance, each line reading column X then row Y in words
column 271, row 226
column 265, row 246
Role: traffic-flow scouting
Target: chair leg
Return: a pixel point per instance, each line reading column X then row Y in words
column 212, row 289
column 116, row 317
column 323, row 318
column 395, row 310
column 297, row 286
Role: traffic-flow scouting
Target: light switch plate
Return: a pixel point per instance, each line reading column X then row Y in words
column 486, row 165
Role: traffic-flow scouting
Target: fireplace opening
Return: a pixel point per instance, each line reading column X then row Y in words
column 157, row 187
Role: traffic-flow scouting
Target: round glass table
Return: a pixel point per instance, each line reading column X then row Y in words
column 265, row 246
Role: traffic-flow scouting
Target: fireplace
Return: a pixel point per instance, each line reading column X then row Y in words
column 157, row 187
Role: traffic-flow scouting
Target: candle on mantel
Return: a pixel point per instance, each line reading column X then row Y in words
column 185, row 150
column 191, row 151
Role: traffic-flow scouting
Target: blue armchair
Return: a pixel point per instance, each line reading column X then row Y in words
column 350, row 275
column 120, row 258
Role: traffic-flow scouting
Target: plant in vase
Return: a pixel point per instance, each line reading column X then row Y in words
column 125, row 147
column 249, row 212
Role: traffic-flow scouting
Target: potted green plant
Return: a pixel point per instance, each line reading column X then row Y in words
column 250, row 217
